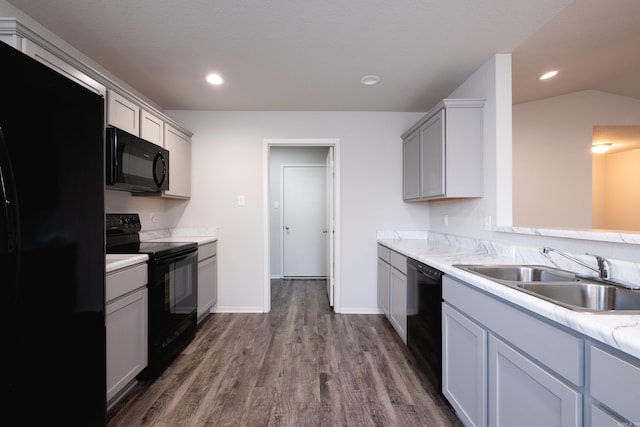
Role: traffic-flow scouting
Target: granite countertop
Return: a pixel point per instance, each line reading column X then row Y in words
column 201, row 236
column 115, row 262
column 621, row 331
column 200, row 240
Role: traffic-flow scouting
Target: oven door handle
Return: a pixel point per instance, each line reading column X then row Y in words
column 171, row 258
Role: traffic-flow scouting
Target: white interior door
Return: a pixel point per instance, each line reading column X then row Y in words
column 329, row 229
column 304, row 221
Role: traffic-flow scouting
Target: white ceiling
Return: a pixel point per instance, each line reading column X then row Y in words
column 310, row 55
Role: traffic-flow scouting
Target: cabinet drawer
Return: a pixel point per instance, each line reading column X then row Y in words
column 615, row 383
column 384, row 253
column 554, row 348
column 206, row 251
column 399, row 262
column 123, row 281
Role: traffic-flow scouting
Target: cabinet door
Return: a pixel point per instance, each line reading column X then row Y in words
column 432, row 152
column 122, row 113
column 600, row 418
column 151, row 128
column 207, row 291
column 179, row 146
column 521, row 393
column 384, row 270
column 615, row 382
column 464, row 366
column 126, row 320
column 411, row 167
column 398, row 303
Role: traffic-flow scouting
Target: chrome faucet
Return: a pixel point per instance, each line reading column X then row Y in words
column 604, row 267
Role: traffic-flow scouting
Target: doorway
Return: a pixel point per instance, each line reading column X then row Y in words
column 303, row 219
column 301, row 158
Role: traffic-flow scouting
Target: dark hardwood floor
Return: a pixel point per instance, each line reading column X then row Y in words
column 299, row 365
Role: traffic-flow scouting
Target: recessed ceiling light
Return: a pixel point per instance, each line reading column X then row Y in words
column 370, row 80
column 215, row 79
column 601, row 148
column 548, row 75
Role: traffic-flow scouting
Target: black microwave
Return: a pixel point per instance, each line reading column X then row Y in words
column 134, row 164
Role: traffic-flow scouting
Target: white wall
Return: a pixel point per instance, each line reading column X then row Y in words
column 552, row 158
column 227, row 160
column 467, row 217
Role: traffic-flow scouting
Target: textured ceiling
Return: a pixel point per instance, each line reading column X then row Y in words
column 310, row 55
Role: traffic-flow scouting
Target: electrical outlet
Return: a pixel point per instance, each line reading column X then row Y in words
column 446, row 220
column 241, row 200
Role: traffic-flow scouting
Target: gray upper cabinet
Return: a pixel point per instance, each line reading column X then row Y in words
column 123, row 113
column 442, row 153
column 151, row 127
column 123, row 109
column 179, row 145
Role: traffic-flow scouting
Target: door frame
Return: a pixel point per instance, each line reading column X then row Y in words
column 300, row 142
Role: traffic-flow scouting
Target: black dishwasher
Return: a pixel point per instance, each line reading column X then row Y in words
column 424, row 319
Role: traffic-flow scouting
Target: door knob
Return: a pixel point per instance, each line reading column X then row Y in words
column 286, row 227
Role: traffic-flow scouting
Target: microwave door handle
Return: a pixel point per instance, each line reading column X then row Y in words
column 159, row 179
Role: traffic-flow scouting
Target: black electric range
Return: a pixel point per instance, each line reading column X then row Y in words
column 123, row 237
column 172, row 289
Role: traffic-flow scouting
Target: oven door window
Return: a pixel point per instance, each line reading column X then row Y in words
column 173, row 292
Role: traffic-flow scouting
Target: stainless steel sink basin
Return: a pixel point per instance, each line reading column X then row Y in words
column 521, row 273
column 561, row 287
column 586, row 296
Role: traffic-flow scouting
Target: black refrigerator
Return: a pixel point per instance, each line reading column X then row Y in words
column 52, row 246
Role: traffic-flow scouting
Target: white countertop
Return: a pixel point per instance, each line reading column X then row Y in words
column 118, row 261
column 620, row 331
column 200, row 240
column 201, row 236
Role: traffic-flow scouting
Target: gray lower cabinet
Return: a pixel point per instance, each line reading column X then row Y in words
column 126, row 326
column 523, row 393
column 534, row 370
column 464, row 366
column 601, row 418
column 505, row 366
column 384, row 279
column 398, row 301
column 392, row 288
column 614, row 385
column 207, row 279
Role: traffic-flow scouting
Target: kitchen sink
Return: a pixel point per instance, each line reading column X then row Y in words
column 521, row 273
column 586, row 296
column 562, row 287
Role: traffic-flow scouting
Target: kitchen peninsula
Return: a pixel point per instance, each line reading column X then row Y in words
column 441, row 251
column 507, row 354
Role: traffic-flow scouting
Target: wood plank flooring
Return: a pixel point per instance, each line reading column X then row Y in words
column 299, row 365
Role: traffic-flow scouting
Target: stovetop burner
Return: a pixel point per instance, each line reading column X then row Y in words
column 123, row 237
